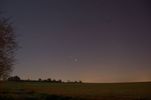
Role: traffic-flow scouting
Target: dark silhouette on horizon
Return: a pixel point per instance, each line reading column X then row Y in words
column 18, row 79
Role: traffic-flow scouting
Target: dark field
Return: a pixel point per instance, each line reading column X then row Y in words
column 74, row 91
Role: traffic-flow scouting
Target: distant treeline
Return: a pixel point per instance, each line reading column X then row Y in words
column 18, row 79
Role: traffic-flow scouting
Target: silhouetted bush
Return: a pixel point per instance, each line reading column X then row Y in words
column 74, row 81
column 80, row 81
column 49, row 80
column 54, row 81
column 14, row 78
column 17, row 78
column 59, row 81
column 39, row 79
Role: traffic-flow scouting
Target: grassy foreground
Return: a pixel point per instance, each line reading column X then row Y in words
column 72, row 91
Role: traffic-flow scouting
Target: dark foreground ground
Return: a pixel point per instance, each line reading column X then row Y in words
column 74, row 91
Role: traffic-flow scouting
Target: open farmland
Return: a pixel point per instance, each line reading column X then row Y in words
column 74, row 91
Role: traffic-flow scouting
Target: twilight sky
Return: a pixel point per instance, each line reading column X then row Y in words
column 88, row 40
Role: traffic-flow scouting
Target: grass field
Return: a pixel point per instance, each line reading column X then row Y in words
column 74, row 91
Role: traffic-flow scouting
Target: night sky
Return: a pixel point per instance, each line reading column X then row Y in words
column 88, row 40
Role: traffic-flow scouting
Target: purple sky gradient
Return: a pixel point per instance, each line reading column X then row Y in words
column 88, row 40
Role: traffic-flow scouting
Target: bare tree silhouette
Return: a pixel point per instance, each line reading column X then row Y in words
column 8, row 47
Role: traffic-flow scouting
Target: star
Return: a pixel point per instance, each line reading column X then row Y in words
column 76, row 60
